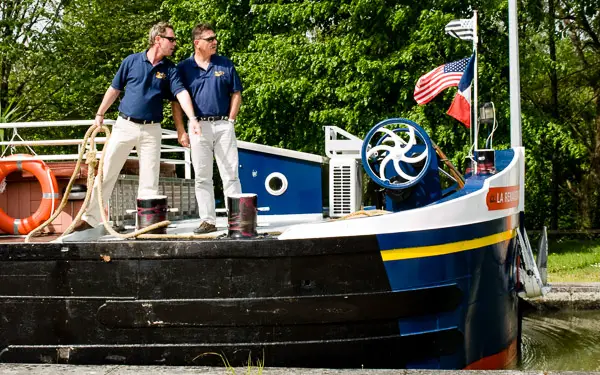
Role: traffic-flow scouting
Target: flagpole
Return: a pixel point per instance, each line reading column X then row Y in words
column 475, row 74
column 515, row 82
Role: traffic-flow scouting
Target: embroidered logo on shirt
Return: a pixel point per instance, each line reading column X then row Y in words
column 219, row 73
column 160, row 75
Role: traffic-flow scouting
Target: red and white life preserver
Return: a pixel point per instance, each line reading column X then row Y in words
column 50, row 194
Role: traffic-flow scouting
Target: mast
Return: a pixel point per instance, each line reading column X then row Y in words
column 475, row 74
column 515, row 83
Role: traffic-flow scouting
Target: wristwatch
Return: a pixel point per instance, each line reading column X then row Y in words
column 231, row 120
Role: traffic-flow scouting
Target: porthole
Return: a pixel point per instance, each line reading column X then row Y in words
column 276, row 183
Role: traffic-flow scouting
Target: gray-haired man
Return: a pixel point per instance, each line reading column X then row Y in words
column 147, row 78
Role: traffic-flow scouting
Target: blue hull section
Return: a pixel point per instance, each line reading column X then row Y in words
column 487, row 315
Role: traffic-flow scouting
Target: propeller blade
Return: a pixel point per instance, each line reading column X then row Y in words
column 377, row 149
column 398, row 142
column 399, row 170
column 415, row 159
column 382, row 166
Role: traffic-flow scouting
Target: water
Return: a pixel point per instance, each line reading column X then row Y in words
column 562, row 341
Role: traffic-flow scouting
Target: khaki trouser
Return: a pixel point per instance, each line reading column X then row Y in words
column 218, row 138
column 126, row 135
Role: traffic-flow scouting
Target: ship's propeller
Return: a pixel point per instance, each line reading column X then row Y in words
column 396, row 153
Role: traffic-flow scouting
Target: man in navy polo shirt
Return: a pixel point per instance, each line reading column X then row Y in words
column 147, row 78
column 216, row 90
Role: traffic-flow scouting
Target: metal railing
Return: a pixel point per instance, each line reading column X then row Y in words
column 17, row 141
column 180, row 192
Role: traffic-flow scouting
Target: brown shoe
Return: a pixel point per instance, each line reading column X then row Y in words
column 81, row 226
column 205, row 228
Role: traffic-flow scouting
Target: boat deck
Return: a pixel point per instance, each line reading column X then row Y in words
column 266, row 225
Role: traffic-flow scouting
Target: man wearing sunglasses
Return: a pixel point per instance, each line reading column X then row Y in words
column 147, row 78
column 216, row 91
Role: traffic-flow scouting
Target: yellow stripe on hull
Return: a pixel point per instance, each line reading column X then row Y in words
column 449, row 248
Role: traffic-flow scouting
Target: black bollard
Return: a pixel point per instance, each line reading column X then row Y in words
column 152, row 210
column 242, row 215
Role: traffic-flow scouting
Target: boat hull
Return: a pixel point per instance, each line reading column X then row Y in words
column 359, row 301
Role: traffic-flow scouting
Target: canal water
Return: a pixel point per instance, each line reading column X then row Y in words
column 561, row 341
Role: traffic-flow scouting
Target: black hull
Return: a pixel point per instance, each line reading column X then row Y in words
column 297, row 303
column 372, row 352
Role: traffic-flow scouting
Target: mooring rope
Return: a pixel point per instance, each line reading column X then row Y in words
column 91, row 133
column 92, row 162
column 361, row 213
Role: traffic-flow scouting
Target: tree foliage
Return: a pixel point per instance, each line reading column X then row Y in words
column 351, row 63
column 561, row 92
column 26, row 31
column 62, row 66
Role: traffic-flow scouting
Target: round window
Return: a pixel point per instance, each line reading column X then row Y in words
column 276, row 183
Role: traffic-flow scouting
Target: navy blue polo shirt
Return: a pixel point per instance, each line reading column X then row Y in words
column 146, row 86
column 210, row 89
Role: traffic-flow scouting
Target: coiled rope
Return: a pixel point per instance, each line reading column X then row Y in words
column 361, row 213
column 92, row 162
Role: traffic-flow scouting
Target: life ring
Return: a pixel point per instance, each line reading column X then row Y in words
column 50, row 194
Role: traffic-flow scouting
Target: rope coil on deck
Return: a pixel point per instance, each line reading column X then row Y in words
column 92, row 162
column 361, row 213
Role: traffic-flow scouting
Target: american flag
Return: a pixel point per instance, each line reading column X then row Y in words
column 440, row 78
column 461, row 29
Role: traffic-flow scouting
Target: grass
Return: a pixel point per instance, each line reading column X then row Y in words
column 574, row 260
column 251, row 367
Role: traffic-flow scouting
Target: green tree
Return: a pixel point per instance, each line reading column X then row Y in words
column 351, row 63
column 94, row 37
column 26, row 27
column 561, row 93
column 61, row 71
column 306, row 64
column 580, row 20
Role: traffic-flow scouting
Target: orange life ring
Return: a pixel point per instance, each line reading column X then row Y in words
column 50, row 194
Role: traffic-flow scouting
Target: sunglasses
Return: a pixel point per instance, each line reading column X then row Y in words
column 210, row 38
column 171, row 39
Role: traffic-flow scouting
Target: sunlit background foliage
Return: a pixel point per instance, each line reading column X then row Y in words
column 351, row 63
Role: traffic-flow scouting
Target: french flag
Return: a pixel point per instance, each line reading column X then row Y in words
column 460, row 108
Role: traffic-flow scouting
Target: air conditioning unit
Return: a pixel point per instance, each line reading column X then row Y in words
column 345, row 186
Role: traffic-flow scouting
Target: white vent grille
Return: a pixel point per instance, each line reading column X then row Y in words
column 345, row 186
